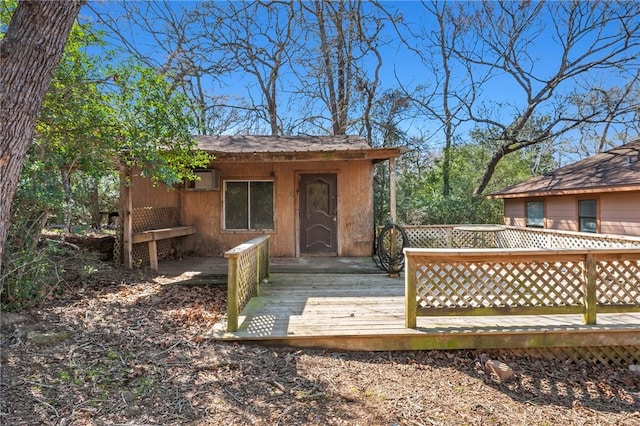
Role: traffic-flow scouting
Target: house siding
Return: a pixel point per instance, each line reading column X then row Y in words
column 619, row 212
column 514, row 212
column 612, row 178
column 153, row 196
column 561, row 213
column 204, row 209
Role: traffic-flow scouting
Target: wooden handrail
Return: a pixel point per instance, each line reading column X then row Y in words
column 248, row 266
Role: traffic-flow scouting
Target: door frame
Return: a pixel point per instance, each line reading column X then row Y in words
column 297, row 175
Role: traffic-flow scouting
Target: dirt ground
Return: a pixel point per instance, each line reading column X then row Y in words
column 126, row 348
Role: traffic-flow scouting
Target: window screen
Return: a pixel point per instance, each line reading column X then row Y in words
column 535, row 214
column 588, row 215
column 248, row 205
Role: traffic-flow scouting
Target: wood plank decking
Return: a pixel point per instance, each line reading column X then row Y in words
column 365, row 311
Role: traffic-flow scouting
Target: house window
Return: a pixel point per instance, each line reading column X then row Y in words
column 535, row 214
column 588, row 215
column 248, row 205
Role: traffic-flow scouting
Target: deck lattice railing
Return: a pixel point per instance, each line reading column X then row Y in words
column 513, row 236
column 248, row 266
column 437, row 236
column 521, row 282
column 522, row 272
column 449, row 236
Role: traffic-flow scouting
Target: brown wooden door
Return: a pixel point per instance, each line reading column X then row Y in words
column 318, row 214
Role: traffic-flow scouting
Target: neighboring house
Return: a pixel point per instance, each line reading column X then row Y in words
column 598, row 194
column 313, row 195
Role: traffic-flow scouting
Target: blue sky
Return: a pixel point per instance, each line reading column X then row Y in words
column 500, row 92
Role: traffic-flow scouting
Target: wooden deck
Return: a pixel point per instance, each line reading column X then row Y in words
column 349, row 305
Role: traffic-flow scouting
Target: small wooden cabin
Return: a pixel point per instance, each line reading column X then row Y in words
column 598, row 194
column 312, row 194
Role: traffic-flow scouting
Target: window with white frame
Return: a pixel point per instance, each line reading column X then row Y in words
column 535, row 214
column 248, row 205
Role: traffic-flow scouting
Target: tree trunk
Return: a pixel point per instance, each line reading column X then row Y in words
column 29, row 53
column 328, row 70
column 96, row 216
column 488, row 173
column 65, row 178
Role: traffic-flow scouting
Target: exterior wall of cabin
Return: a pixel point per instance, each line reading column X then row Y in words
column 561, row 213
column 514, row 212
column 146, row 195
column 204, row 208
column 618, row 212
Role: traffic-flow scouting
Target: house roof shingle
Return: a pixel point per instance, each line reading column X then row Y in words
column 251, row 144
column 281, row 147
column 616, row 169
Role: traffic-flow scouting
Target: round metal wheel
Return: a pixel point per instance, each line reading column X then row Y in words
column 389, row 248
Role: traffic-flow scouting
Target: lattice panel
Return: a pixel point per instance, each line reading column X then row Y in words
column 247, row 274
column 598, row 241
column 140, row 252
column 537, row 238
column 461, row 239
column 510, row 239
column 472, row 239
column 515, row 238
column 146, row 218
column 427, row 236
column 445, row 236
column 507, row 284
column 502, row 240
column 571, row 241
column 264, row 260
column 621, row 356
column 117, row 245
column 618, row 282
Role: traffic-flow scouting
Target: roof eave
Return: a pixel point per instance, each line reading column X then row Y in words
column 373, row 154
column 568, row 191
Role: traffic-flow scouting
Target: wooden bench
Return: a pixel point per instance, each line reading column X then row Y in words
column 153, row 235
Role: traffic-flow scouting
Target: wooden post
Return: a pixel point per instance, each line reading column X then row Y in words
column 393, row 247
column 590, row 291
column 232, row 296
column 259, row 269
column 410, row 310
column 125, row 214
column 153, row 255
column 268, row 259
column 392, row 189
column 393, row 253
